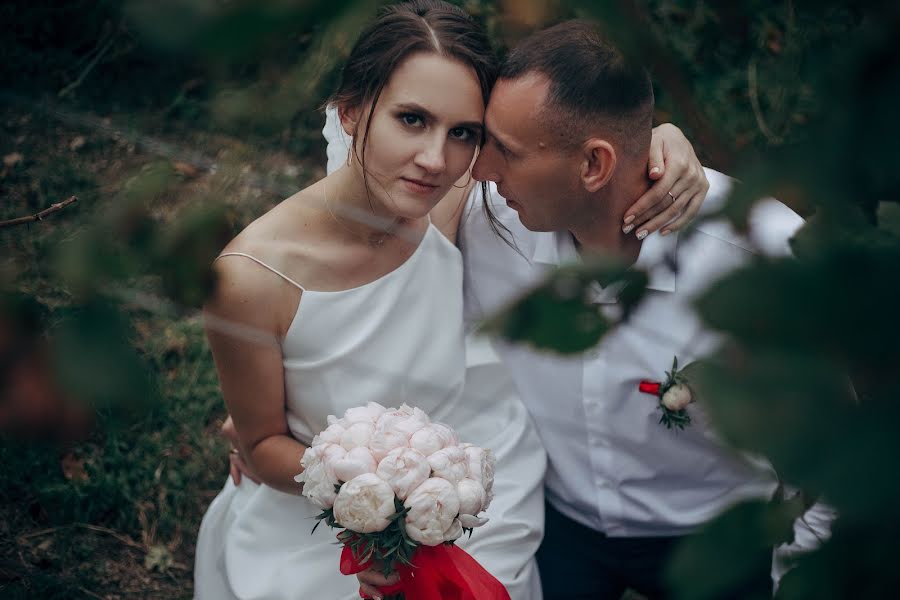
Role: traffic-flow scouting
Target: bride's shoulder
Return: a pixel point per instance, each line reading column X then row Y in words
column 272, row 250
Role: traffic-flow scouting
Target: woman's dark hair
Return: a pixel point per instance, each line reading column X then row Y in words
column 401, row 30
column 398, row 32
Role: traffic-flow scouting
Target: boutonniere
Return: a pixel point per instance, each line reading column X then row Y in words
column 673, row 396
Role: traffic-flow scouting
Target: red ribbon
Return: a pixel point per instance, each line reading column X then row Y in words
column 444, row 572
column 650, row 387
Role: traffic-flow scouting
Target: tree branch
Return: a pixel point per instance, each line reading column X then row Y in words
column 40, row 216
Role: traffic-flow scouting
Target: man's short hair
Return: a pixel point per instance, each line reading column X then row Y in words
column 593, row 91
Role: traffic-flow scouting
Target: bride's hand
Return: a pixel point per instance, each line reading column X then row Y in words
column 370, row 580
column 237, row 467
column 679, row 189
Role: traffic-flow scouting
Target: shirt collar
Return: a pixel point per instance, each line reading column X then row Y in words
column 656, row 256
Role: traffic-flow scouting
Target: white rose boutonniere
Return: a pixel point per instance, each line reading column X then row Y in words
column 673, row 396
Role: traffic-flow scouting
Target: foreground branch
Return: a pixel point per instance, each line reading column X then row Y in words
column 40, row 216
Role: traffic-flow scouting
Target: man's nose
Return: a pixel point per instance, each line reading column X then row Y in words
column 483, row 169
column 431, row 157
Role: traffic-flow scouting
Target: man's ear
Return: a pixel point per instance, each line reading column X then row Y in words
column 598, row 164
column 349, row 117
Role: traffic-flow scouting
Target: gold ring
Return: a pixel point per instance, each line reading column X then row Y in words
column 672, row 196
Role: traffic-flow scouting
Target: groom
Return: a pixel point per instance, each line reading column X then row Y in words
column 568, row 135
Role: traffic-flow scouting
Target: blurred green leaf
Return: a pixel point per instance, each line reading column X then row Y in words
column 551, row 318
column 732, row 551
column 889, row 217
column 561, row 315
column 187, row 249
column 782, row 404
column 96, row 361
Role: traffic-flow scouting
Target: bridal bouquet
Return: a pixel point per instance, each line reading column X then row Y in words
column 403, row 488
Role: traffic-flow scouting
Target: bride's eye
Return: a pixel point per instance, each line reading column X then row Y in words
column 463, row 134
column 411, row 119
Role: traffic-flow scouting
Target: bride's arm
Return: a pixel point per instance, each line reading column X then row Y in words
column 244, row 343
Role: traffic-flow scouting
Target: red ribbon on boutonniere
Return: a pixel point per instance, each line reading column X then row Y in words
column 673, row 397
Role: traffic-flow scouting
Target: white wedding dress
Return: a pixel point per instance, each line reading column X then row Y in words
column 397, row 339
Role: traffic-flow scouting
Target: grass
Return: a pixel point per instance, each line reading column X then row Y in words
column 116, row 515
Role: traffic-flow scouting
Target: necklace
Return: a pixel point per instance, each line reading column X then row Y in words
column 387, row 225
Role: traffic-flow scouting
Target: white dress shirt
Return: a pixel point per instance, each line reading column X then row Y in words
column 612, row 466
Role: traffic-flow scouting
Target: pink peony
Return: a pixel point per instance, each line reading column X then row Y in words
column 404, row 469
column 364, row 504
column 433, row 507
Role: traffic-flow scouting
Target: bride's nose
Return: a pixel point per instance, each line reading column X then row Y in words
column 431, row 156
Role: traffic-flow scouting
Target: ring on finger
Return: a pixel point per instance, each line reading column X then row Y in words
column 234, row 451
column 672, row 196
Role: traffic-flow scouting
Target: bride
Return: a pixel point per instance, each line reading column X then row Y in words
column 357, row 281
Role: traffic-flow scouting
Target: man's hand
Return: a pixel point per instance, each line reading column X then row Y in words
column 237, row 467
column 679, row 189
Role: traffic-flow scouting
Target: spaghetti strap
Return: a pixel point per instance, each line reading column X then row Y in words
column 262, row 264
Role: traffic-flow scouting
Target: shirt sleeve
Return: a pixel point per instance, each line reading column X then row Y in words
column 811, row 530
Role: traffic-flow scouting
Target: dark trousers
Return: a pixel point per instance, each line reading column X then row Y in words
column 578, row 563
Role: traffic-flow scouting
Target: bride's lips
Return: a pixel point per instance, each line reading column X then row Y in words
column 419, row 187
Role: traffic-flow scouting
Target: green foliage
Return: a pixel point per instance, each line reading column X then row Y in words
column 560, row 315
column 736, row 549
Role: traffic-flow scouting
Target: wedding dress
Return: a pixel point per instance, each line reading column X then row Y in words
column 397, row 339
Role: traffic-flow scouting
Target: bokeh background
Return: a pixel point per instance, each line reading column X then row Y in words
column 176, row 122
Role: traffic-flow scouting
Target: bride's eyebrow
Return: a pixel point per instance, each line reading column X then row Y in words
column 428, row 116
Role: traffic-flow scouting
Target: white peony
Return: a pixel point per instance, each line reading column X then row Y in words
column 432, row 438
column 404, row 469
column 405, row 420
column 333, row 420
column 454, row 532
column 383, row 442
column 331, row 453
column 677, row 397
column 449, row 463
column 433, row 507
column 471, row 497
column 364, row 414
column 471, row 521
column 364, row 504
column 357, row 435
column 480, row 463
column 317, row 478
column 330, row 435
column 356, row 462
